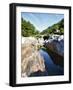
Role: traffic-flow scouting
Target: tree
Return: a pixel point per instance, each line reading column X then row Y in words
column 52, row 29
column 28, row 29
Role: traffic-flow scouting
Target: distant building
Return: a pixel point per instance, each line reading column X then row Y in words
column 57, row 31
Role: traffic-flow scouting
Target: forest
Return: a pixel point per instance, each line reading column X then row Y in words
column 28, row 29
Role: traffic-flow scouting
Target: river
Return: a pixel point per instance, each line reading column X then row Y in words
column 51, row 68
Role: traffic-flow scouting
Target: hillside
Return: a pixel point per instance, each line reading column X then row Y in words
column 57, row 28
column 28, row 29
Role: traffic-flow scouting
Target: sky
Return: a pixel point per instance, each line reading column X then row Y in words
column 41, row 21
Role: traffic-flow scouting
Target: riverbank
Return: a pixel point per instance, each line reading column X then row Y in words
column 38, row 59
column 51, row 68
column 56, row 58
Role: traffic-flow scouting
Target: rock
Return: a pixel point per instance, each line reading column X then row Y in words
column 39, row 73
column 61, row 37
column 56, row 45
column 55, row 49
column 31, row 61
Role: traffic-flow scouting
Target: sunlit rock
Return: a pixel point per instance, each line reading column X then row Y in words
column 31, row 61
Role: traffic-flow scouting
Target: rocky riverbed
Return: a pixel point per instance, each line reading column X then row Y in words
column 31, row 61
column 38, row 63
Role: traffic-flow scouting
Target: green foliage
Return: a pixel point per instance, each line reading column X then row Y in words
column 38, row 36
column 53, row 29
column 28, row 29
column 62, row 31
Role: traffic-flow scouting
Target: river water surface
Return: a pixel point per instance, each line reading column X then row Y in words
column 51, row 68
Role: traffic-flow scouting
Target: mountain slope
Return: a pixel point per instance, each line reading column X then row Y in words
column 57, row 28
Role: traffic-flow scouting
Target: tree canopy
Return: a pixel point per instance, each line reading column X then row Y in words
column 28, row 29
column 54, row 28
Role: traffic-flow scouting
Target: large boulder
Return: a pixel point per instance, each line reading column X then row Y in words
column 55, row 49
column 31, row 61
column 57, row 45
